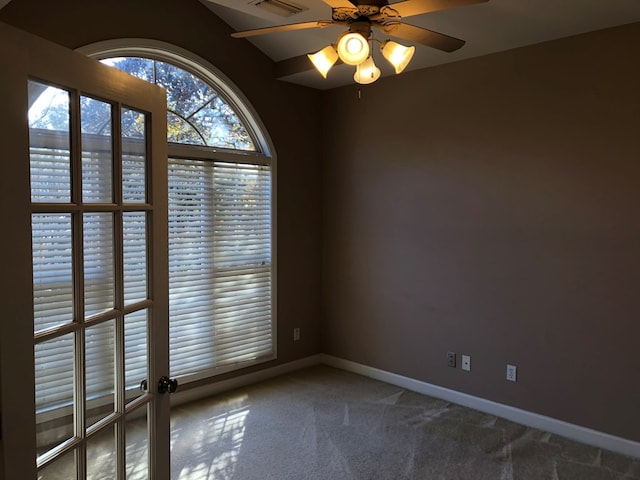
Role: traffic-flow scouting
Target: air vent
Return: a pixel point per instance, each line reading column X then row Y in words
column 279, row 7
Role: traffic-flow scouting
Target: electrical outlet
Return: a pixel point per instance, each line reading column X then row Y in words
column 451, row 359
column 466, row 363
column 296, row 334
column 511, row 373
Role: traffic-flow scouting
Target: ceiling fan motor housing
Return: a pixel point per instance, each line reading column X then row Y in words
column 371, row 11
column 361, row 25
column 372, row 3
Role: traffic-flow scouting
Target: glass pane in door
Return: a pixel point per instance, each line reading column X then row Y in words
column 137, row 446
column 52, row 270
column 99, row 287
column 63, row 468
column 101, row 454
column 55, row 415
column 97, row 151
column 100, row 371
column 136, row 357
column 49, row 143
column 134, row 183
column 134, row 227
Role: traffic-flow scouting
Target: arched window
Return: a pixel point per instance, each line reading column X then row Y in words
column 220, row 212
column 196, row 113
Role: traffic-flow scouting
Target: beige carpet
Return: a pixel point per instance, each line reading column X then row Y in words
column 323, row 423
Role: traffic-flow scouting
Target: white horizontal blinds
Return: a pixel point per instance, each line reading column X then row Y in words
column 49, row 143
column 136, row 355
column 219, row 264
column 191, row 302
column 135, row 232
column 219, row 224
column 57, row 240
column 97, row 151
column 99, row 280
column 54, row 372
column 50, row 167
column 134, row 157
column 54, row 379
column 52, row 270
column 52, row 261
column 97, row 187
column 100, row 366
column 242, row 253
column 134, row 228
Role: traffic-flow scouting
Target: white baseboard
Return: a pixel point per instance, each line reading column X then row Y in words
column 215, row 388
column 530, row 419
column 548, row 424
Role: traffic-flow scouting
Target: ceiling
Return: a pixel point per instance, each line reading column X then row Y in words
column 486, row 27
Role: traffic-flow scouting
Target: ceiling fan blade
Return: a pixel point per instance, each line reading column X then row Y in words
column 294, row 65
column 342, row 9
column 339, row 3
column 422, row 35
column 284, row 28
column 409, row 8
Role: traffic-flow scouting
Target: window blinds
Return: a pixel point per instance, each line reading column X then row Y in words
column 219, row 264
column 219, row 274
column 53, row 277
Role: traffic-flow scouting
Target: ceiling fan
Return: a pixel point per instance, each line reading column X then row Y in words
column 352, row 47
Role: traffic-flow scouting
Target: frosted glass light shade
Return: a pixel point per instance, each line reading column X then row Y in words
column 353, row 48
column 324, row 59
column 366, row 72
column 398, row 55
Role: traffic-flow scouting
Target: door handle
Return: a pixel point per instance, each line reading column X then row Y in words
column 166, row 384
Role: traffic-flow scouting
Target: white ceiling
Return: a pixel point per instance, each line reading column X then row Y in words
column 486, row 27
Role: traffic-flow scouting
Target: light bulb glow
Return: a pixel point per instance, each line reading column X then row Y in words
column 353, row 48
column 366, row 72
column 398, row 55
column 324, row 59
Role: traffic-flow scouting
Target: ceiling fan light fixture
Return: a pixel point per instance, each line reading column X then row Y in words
column 397, row 55
column 366, row 72
column 324, row 59
column 353, row 48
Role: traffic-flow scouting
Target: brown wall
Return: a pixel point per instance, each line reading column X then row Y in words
column 490, row 207
column 495, row 215
column 282, row 107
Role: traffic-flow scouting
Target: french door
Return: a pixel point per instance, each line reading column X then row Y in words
column 84, row 325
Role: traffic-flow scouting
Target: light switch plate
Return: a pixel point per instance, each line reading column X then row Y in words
column 466, row 363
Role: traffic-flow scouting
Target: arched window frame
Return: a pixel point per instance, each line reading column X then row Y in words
column 263, row 155
column 200, row 67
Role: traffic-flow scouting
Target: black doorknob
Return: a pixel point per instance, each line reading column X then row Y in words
column 166, row 384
